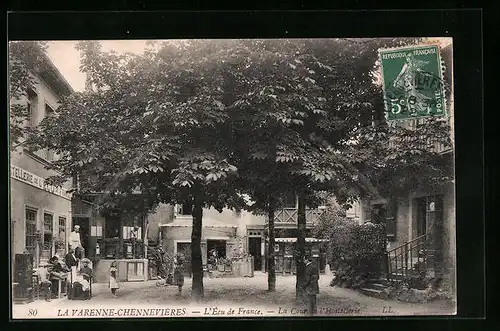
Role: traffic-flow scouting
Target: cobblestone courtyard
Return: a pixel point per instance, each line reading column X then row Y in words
column 249, row 294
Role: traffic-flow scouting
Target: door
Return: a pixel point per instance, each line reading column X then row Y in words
column 185, row 249
column 421, row 204
column 255, row 250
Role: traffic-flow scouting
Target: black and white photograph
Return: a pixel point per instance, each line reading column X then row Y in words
column 241, row 178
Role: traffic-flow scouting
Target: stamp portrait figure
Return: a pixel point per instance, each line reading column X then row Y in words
column 407, row 79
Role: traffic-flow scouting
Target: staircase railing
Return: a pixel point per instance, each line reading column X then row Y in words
column 407, row 259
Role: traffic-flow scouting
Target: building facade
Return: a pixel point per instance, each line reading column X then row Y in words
column 412, row 221
column 40, row 214
column 112, row 236
column 229, row 231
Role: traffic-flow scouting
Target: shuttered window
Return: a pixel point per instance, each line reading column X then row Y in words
column 391, row 220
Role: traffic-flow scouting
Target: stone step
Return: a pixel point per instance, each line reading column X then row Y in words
column 376, row 286
column 383, row 281
column 397, row 276
column 376, row 293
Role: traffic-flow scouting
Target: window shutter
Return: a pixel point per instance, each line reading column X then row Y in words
column 390, row 221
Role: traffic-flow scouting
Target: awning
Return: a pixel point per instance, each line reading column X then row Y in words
column 292, row 240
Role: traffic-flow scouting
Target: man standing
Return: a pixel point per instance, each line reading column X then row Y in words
column 70, row 259
column 72, row 264
column 311, row 286
column 75, row 242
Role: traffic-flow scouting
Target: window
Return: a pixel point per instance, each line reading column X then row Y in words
column 32, row 107
column 48, row 110
column 48, row 227
column 186, row 209
column 289, row 200
column 48, row 154
column 112, row 227
column 30, row 222
column 48, row 222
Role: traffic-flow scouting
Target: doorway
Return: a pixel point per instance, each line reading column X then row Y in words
column 421, row 216
column 216, row 248
column 185, row 250
column 84, row 223
column 254, row 249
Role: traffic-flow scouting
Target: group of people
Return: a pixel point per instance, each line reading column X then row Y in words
column 75, row 269
column 84, row 276
column 57, row 272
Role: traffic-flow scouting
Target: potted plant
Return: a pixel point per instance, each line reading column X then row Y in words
column 60, row 246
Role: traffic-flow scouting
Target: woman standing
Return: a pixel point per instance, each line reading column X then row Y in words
column 179, row 272
column 113, row 283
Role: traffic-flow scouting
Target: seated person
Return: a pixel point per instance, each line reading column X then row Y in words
column 56, row 272
column 44, row 283
column 86, row 271
column 84, row 275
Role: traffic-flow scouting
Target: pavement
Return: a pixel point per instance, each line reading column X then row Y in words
column 224, row 297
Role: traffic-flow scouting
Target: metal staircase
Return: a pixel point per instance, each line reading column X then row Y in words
column 407, row 260
column 403, row 263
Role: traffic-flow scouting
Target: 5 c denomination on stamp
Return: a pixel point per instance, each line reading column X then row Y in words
column 413, row 82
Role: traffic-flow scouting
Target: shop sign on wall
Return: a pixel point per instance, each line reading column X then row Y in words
column 36, row 181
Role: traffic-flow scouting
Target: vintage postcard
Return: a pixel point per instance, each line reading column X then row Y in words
column 232, row 178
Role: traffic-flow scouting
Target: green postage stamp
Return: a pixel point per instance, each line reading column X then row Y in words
column 413, row 82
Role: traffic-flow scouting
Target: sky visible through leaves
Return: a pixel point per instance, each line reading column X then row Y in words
column 67, row 59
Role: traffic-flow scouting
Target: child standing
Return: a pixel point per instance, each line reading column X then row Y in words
column 179, row 273
column 113, row 283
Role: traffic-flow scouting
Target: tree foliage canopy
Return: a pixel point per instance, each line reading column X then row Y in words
column 268, row 115
column 25, row 60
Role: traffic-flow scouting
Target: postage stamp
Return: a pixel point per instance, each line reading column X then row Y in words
column 142, row 202
column 413, row 82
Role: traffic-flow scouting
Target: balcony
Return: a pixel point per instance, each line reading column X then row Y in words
column 288, row 216
column 433, row 145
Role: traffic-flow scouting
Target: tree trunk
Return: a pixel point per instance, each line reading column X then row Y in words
column 196, row 259
column 271, row 267
column 301, row 246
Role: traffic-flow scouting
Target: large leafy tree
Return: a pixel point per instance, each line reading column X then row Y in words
column 153, row 125
column 317, row 123
column 199, row 121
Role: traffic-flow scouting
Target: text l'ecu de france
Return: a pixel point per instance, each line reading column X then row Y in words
column 211, row 311
column 158, row 312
